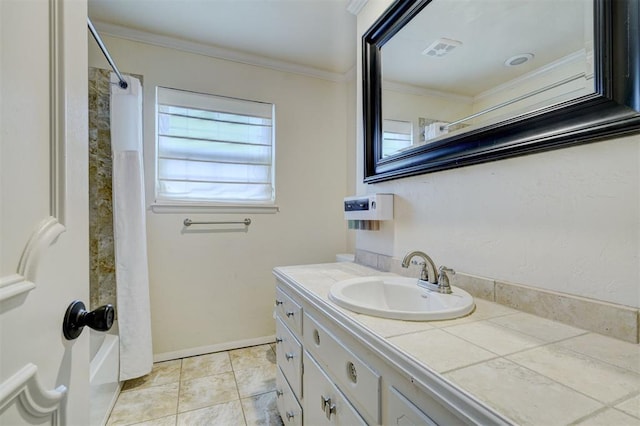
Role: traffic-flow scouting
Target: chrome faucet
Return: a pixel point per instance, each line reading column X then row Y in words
column 428, row 273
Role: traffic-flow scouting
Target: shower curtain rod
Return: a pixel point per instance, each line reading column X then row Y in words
column 519, row 98
column 123, row 84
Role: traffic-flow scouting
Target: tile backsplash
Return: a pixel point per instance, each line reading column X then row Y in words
column 618, row 321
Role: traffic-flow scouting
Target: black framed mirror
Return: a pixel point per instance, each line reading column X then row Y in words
column 600, row 101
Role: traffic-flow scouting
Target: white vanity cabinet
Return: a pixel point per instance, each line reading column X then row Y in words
column 325, row 377
column 289, row 311
column 324, row 404
column 288, row 358
column 335, row 371
column 400, row 411
column 334, row 379
column 288, row 406
column 320, row 379
column 347, row 370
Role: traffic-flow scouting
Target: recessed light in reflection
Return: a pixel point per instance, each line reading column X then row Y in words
column 520, row 59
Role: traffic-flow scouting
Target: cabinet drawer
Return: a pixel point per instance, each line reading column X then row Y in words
column 323, row 403
column 401, row 411
column 289, row 356
column 355, row 378
column 288, row 406
column 289, row 311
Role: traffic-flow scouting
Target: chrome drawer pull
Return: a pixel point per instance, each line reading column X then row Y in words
column 279, row 302
column 278, row 340
column 352, row 373
column 289, row 356
column 279, row 393
column 324, row 402
column 329, row 410
column 290, row 415
column 290, row 314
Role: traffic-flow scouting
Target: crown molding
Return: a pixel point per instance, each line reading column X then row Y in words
column 415, row 90
column 355, row 6
column 216, row 52
column 421, row 91
column 551, row 66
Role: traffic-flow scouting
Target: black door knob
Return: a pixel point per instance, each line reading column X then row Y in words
column 77, row 317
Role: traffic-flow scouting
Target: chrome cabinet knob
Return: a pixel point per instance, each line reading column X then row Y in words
column 290, row 415
column 290, row 314
column 289, row 356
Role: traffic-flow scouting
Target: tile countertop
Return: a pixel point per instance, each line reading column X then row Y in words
column 529, row 369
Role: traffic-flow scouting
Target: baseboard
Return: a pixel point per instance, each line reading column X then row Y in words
column 201, row 350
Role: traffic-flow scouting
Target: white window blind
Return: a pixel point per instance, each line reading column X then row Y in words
column 213, row 149
column 396, row 135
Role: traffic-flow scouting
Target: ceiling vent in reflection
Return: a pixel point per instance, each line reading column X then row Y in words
column 441, row 47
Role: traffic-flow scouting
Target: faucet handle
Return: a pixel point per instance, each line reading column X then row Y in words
column 424, row 273
column 443, row 279
column 445, row 269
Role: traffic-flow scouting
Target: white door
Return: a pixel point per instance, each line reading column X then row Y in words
column 43, row 210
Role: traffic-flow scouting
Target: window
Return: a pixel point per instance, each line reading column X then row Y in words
column 213, row 149
column 396, row 136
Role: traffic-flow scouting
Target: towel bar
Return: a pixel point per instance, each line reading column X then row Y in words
column 189, row 222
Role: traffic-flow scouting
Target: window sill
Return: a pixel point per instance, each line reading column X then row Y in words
column 214, row 208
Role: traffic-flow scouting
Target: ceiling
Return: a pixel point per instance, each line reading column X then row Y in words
column 490, row 32
column 319, row 34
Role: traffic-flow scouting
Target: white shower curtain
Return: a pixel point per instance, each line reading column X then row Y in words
column 129, row 229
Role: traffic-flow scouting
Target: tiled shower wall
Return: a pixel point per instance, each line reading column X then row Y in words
column 102, row 273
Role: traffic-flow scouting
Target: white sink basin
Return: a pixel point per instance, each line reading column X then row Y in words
column 399, row 298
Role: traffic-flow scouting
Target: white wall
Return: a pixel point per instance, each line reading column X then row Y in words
column 566, row 220
column 211, row 288
column 352, row 123
column 404, row 106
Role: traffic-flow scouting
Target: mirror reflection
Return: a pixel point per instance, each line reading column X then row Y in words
column 459, row 65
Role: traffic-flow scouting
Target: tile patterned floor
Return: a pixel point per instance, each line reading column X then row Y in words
column 229, row 388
